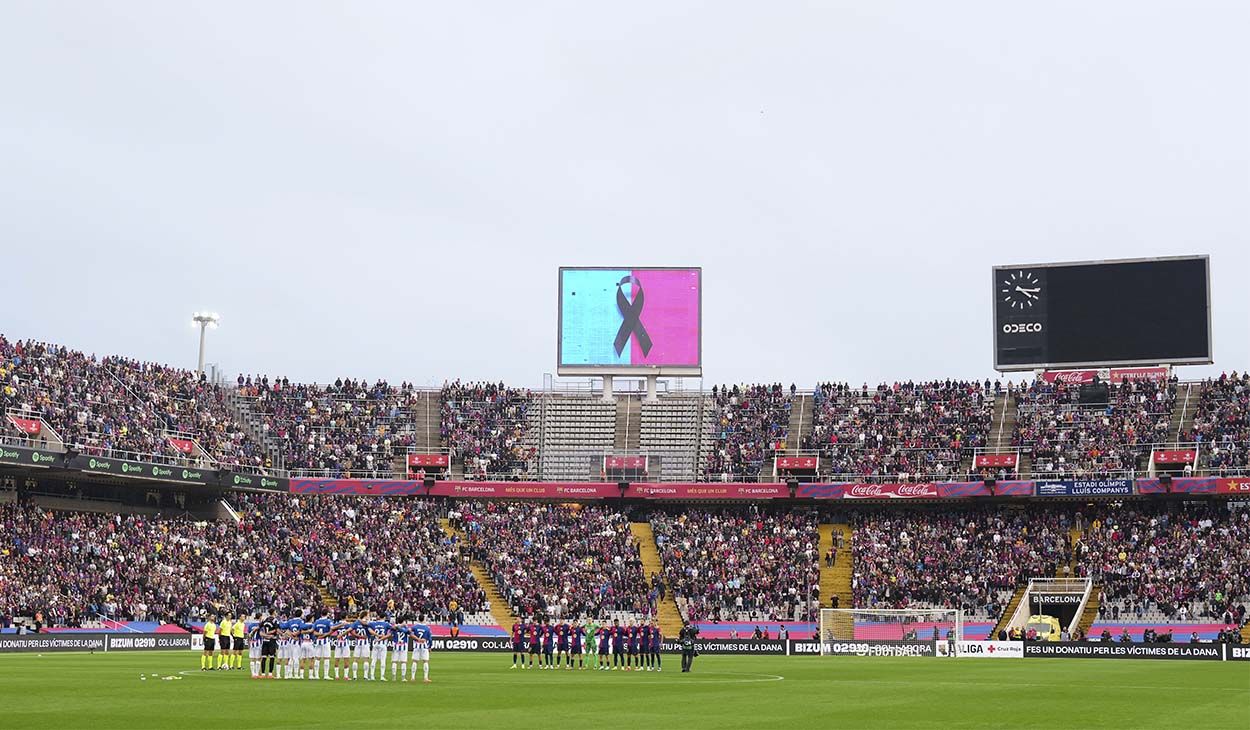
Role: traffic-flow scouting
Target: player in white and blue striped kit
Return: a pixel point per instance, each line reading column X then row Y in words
column 399, row 652
column 421, row 641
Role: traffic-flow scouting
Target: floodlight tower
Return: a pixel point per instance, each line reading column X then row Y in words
column 206, row 321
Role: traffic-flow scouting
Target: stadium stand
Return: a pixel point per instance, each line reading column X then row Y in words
column 672, row 430
column 1163, row 563
column 484, row 425
column 1221, row 426
column 901, row 431
column 347, row 428
column 559, row 560
column 752, row 423
column 572, row 434
column 741, row 565
column 1064, row 436
column 972, row 559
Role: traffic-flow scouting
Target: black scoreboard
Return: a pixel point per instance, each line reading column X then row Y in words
column 1102, row 313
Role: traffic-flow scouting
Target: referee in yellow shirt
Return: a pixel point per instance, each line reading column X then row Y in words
column 210, row 641
column 223, row 631
column 240, row 643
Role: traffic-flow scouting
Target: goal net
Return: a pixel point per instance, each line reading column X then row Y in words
column 910, row 624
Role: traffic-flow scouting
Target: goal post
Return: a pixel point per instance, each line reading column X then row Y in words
column 902, row 624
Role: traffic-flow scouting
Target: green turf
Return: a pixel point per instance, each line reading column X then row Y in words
column 100, row 691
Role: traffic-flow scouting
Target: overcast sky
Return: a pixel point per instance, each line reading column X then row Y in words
column 387, row 189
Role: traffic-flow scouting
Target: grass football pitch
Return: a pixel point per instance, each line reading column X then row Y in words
column 99, row 691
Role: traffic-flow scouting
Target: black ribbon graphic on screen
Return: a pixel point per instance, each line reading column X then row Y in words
column 632, row 312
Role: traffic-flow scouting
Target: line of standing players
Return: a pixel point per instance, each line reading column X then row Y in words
column 304, row 647
column 632, row 647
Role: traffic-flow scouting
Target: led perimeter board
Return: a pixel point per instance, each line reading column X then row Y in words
column 1096, row 313
column 630, row 321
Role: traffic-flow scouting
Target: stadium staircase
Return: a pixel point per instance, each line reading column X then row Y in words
column 837, row 580
column 1074, row 537
column 1009, row 611
column 1183, row 411
column 1002, row 429
column 1091, row 610
column 252, row 425
column 669, row 616
column 327, row 598
column 800, row 420
column 628, row 422
column 500, row 610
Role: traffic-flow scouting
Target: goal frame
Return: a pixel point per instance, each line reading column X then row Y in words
column 829, row 618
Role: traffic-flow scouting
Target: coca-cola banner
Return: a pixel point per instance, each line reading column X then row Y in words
column 713, row 490
column 1073, row 377
column 891, row 491
column 1119, row 375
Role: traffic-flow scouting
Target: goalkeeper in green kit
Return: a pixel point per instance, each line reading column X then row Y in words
column 591, row 642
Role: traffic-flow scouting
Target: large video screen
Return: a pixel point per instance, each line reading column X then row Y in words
column 1133, row 312
column 630, row 318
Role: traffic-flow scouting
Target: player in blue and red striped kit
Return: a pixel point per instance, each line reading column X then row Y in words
column 518, row 643
column 549, row 644
column 631, row 646
column 618, row 645
column 562, row 646
column 657, row 641
column 578, row 634
column 535, row 642
column 605, row 644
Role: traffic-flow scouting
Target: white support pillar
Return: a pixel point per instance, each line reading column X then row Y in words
column 651, row 397
column 607, row 388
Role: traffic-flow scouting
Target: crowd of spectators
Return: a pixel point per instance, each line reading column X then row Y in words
column 79, row 566
column 373, row 552
column 368, row 551
column 1169, row 561
column 741, row 565
column 345, row 428
column 969, row 559
column 75, row 394
column 752, row 424
column 900, row 431
column 1221, row 426
column 1068, row 438
column 558, row 560
column 111, row 404
column 484, row 424
column 187, row 405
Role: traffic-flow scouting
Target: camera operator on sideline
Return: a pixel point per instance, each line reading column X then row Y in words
column 686, row 637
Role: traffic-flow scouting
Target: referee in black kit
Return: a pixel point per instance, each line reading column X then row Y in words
column 268, row 645
column 686, row 636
